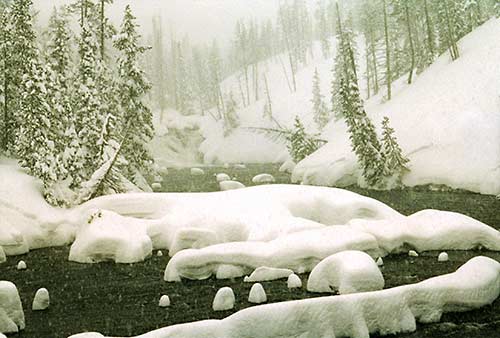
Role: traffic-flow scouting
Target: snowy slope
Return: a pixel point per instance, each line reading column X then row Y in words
column 448, row 122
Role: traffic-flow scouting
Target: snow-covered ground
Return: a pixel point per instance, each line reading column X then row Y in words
column 475, row 284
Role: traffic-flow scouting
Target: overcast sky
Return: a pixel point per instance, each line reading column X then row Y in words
column 202, row 20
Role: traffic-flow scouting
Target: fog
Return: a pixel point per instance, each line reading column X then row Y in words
column 201, row 20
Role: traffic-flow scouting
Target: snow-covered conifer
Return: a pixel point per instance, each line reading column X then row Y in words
column 320, row 110
column 395, row 161
column 300, row 144
column 231, row 119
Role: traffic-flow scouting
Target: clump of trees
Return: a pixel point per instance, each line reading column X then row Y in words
column 76, row 120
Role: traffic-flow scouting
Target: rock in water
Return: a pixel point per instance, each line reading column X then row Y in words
column 222, row 177
column 263, row 179
column 156, row 186
column 11, row 309
column 42, row 300
column 380, row 261
column 164, row 301
column 412, row 253
column 224, row 299
column 21, row 265
column 197, row 172
column 443, row 257
column 230, row 185
column 257, row 294
column 159, row 253
column 294, row 281
column 3, row 257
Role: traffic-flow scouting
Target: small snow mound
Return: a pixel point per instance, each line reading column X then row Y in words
column 222, row 177
column 224, row 299
column 226, row 165
column 294, row 281
column 197, row 172
column 257, row 294
column 287, row 167
column 380, row 261
column 158, row 179
column 412, row 253
column 230, row 185
column 227, row 271
column 2, row 335
column 240, row 166
column 21, row 265
column 156, row 186
column 164, row 301
column 159, row 253
column 347, row 272
column 264, row 273
column 263, row 179
column 3, row 257
column 443, row 257
column 11, row 309
column 87, row 335
column 42, row 300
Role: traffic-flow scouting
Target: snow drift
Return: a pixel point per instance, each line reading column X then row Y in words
column 11, row 309
column 390, row 311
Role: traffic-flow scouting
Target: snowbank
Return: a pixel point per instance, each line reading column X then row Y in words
column 390, row 311
column 346, row 272
column 11, row 309
column 447, row 122
column 264, row 273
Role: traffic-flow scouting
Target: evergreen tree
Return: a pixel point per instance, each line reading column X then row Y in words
column 395, row 162
column 5, row 67
column 132, row 87
column 231, row 119
column 300, row 144
column 320, row 110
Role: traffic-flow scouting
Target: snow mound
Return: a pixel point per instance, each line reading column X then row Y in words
column 3, row 257
column 224, row 299
column 447, row 122
column 109, row 236
column 156, row 186
column 287, row 166
column 257, row 294
column 230, row 185
column 390, row 311
column 222, row 177
column 264, row 273
column 346, row 272
column 412, row 253
column 41, row 300
column 11, row 308
column 164, row 301
column 380, row 261
column 299, row 251
column 186, row 238
column 443, row 257
column 430, row 230
column 294, row 282
column 263, row 179
column 197, row 172
column 21, row 265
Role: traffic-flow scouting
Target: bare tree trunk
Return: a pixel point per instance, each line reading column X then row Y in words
column 430, row 40
column 387, row 53
column 410, row 38
column 374, row 62
column 102, row 37
column 286, row 74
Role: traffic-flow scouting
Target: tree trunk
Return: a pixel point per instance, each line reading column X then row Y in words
column 102, row 30
column 410, row 38
column 387, row 53
column 430, row 40
column 374, row 62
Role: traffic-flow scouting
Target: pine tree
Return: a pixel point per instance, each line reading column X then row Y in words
column 133, row 86
column 320, row 110
column 395, row 162
column 5, row 65
column 300, row 144
column 231, row 119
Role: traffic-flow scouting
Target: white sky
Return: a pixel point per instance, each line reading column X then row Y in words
column 202, row 20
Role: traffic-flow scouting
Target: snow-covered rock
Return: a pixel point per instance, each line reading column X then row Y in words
column 240, row 166
column 287, row 166
column 224, row 299
column 412, row 253
column 264, row 273
column 389, row 311
column 11, row 308
column 21, row 265
column 197, row 172
column 159, row 253
column 221, row 177
column 3, row 257
column 380, row 261
column 41, row 300
column 195, row 238
column 298, row 251
column 230, row 185
column 156, row 186
column 164, row 301
column 109, row 236
column 294, row 281
column 263, row 179
column 87, row 335
column 346, row 272
column 257, row 294
column 443, row 257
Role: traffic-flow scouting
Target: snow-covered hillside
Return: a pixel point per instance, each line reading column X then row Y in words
column 447, row 122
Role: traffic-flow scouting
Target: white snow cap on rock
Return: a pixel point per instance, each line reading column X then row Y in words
column 3, row 257
column 41, row 300
column 230, row 185
column 287, row 166
column 412, row 253
column 294, row 282
column 390, row 311
column 443, row 257
column 159, row 253
column 156, row 186
column 257, row 294
column 380, row 261
column 263, row 179
column 222, row 177
column 197, row 172
column 21, row 265
column 346, row 272
column 264, row 273
column 224, row 299
column 164, row 301
column 110, row 236
column 87, row 335
column 11, row 308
